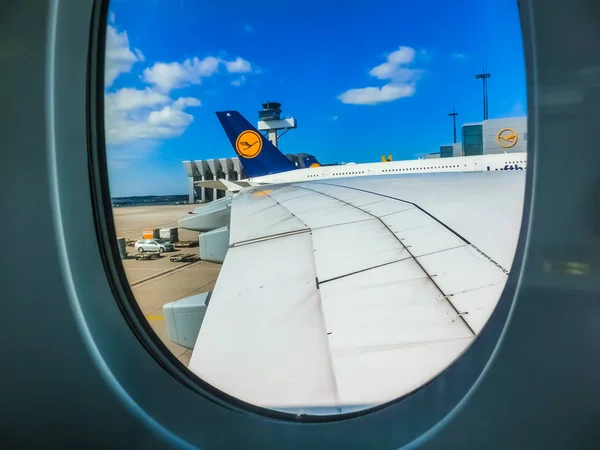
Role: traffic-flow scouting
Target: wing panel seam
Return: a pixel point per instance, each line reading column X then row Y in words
column 403, row 201
column 457, row 234
column 364, row 270
column 444, row 295
column 270, row 237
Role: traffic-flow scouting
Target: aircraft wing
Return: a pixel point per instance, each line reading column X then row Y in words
column 223, row 185
column 343, row 294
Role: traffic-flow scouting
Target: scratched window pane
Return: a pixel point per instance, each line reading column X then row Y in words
column 285, row 222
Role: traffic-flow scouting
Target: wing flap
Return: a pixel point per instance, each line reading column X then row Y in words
column 318, row 210
column 290, row 193
column 256, row 216
column 371, row 203
column 420, row 233
column 479, row 303
column 462, row 270
column 372, row 378
column 484, row 207
column 391, row 308
column 345, row 249
column 263, row 338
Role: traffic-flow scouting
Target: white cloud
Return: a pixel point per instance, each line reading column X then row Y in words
column 239, row 81
column 374, row 95
column 137, row 120
column 392, row 67
column 402, row 80
column 132, row 115
column 403, row 55
column 239, row 65
column 119, row 57
column 335, row 118
column 127, row 99
column 168, row 76
column 458, row 55
column 170, row 121
column 111, row 17
column 383, row 71
column 185, row 102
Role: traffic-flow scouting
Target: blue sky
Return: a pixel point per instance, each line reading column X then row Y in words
column 361, row 78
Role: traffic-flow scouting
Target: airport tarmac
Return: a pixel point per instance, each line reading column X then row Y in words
column 131, row 220
column 159, row 281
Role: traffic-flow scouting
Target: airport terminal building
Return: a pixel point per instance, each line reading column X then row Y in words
column 230, row 169
column 492, row 136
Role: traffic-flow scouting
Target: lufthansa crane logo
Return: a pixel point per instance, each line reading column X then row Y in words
column 507, row 138
column 248, row 144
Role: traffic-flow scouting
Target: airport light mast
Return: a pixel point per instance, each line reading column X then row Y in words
column 454, row 114
column 484, row 77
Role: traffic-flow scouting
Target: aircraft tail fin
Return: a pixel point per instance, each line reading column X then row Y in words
column 305, row 160
column 257, row 154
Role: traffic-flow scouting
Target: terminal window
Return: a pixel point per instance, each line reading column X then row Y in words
column 472, row 140
column 446, row 151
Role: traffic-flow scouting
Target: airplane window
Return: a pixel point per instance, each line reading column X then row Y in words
column 311, row 296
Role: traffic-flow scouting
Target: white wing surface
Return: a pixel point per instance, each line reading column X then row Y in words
column 343, row 294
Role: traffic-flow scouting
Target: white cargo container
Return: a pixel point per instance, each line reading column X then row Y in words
column 169, row 234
